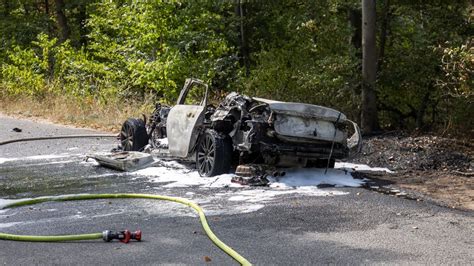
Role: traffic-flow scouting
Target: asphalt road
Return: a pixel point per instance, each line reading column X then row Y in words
column 355, row 226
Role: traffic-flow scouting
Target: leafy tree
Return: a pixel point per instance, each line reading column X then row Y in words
column 407, row 83
column 293, row 50
column 301, row 52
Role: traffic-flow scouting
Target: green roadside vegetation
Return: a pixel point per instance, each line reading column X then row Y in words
column 92, row 62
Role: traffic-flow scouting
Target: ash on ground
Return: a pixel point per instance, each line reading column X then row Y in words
column 441, row 168
column 402, row 153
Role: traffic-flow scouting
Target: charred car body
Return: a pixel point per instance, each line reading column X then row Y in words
column 242, row 130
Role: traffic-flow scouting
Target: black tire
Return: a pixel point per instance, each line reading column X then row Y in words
column 133, row 136
column 213, row 154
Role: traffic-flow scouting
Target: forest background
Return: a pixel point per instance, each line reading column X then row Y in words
column 94, row 63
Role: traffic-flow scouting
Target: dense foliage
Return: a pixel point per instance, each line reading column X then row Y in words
column 305, row 51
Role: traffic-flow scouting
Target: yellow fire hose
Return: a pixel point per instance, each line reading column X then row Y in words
column 186, row 202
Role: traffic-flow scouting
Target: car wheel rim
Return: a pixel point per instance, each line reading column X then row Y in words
column 126, row 135
column 206, row 155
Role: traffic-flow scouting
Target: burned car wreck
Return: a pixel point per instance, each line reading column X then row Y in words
column 242, row 130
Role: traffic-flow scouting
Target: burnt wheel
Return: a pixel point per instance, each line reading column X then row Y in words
column 213, row 154
column 133, row 136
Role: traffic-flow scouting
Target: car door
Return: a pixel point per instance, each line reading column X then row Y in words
column 184, row 119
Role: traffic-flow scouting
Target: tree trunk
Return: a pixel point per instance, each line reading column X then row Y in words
column 369, row 121
column 46, row 7
column 82, row 24
column 6, row 6
column 49, row 28
column 26, row 9
column 354, row 17
column 383, row 33
column 244, row 50
column 62, row 21
column 420, row 115
column 48, row 20
column 355, row 20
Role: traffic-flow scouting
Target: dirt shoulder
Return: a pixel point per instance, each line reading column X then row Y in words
column 82, row 113
column 441, row 168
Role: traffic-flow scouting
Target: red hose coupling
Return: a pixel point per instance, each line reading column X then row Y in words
column 137, row 235
column 123, row 236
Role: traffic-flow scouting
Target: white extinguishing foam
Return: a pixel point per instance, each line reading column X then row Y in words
column 302, row 181
column 174, row 174
column 315, row 177
column 266, row 195
column 51, row 163
column 6, row 225
column 5, row 202
column 253, row 199
column 3, row 160
column 241, row 199
column 245, row 199
column 36, row 157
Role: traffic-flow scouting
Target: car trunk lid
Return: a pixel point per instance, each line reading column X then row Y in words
column 307, row 121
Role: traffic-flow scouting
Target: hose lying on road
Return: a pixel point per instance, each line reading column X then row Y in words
column 186, row 202
column 59, row 137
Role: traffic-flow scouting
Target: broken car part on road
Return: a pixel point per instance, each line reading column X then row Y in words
column 242, row 130
column 123, row 161
column 123, row 237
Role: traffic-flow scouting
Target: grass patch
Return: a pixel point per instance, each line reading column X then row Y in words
column 80, row 112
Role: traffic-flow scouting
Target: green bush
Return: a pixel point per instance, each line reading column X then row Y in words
column 23, row 73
